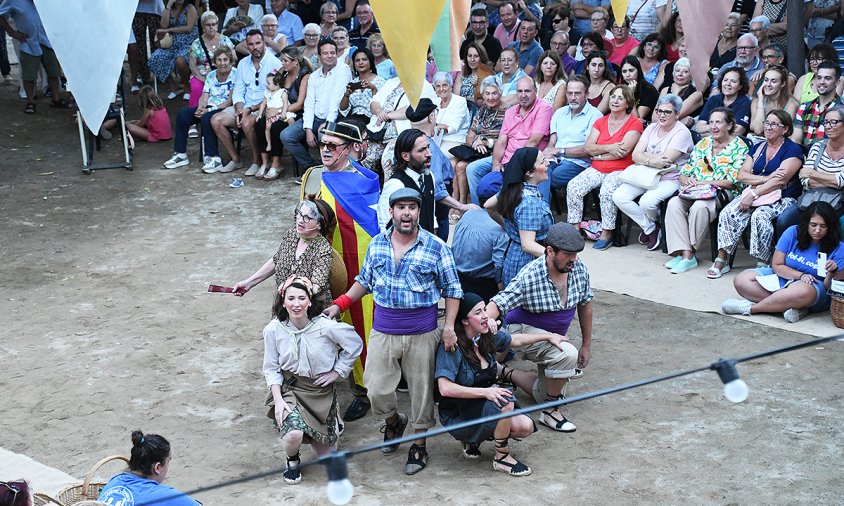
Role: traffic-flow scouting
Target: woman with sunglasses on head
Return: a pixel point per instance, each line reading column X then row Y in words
column 806, row 88
column 304, row 251
column 651, row 54
column 305, row 353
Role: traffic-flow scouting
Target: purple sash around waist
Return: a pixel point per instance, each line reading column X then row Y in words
column 552, row 321
column 405, row 321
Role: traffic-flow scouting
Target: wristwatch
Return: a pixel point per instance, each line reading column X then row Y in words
column 563, row 152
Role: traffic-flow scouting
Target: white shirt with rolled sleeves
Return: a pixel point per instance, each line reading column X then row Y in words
column 325, row 90
column 389, row 86
column 246, row 91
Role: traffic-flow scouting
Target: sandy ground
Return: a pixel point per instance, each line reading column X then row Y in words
column 107, row 328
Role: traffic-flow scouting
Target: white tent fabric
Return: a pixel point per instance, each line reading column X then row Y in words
column 89, row 39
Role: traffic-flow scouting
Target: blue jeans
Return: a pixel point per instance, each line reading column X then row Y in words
column 293, row 139
column 184, row 119
column 475, row 171
column 561, row 173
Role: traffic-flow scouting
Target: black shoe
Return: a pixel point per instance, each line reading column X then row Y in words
column 417, row 459
column 293, row 474
column 393, row 431
column 356, row 410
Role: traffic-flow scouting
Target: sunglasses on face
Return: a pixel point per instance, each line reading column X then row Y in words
column 332, row 147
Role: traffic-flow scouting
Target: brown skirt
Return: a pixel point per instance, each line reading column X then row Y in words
column 314, row 410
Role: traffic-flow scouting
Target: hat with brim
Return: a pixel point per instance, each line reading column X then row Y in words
column 405, row 194
column 343, row 130
column 421, row 112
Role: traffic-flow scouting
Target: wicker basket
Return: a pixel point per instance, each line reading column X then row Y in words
column 836, row 310
column 86, row 491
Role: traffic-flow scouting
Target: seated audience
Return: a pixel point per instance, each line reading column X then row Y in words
column 550, row 79
column 479, row 34
column 772, row 55
column 453, row 117
column 241, row 19
column 798, row 280
column 610, row 144
column 622, row 43
column 483, row 132
column 651, row 56
column 328, row 13
column 364, row 85
column 713, row 164
column 510, row 74
column 149, row 465
column 747, row 59
column 809, row 118
column 526, row 47
column 305, row 353
column 772, row 95
column 733, row 88
column 154, row 124
column 560, row 43
column 506, row 31
column 289, row 24
column 672, row 36
column 772, row 186
column 555, row 19
column 200, row 54
column 591, row 42
column 312, row 39
column 216, row 96
column 179, row 19
column 570, row 126
column 822, row 175
column 725, row 49
column 759, row 27
column 597, row 70
column 681, row 85
column 665, row 76
column 383, row 63
column 365, row 26
column 340, row 36
column 644, row 92
column 473, row 73
column 467, row 386
column 664, row 145
column 806, row 88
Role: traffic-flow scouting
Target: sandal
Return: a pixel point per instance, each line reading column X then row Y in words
column 393, row 431
column 516, row 469
column 293, row 475
column 30, row 108
column 506, row 376
column 561, row 424
column 417, row 459
column 714, row 272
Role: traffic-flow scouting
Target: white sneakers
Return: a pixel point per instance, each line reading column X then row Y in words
column 177, row 160
column 212, row 165
column 193, row 133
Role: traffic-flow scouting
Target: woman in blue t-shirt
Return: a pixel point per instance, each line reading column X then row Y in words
column 798, row 269
column 148, row 467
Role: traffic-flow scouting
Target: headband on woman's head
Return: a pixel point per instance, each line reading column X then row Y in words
column 296, row 279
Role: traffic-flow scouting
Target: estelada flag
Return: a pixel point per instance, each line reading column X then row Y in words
column 354, row 198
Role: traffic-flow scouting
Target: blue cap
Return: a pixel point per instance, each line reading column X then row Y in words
column 490, row 185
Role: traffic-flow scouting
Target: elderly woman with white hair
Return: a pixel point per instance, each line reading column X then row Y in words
column 274, row 41
column 759, row 27
column 311, row 36
column 725, row 50
column 453, row 116
column 200, row 55
column 683, row 87
column 664, row 146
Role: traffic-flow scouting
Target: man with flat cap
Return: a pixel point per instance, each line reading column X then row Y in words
column 543, row 298
column 407, row 270
column 414, row 158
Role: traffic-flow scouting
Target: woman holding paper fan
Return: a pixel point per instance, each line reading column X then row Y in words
column 807, row 257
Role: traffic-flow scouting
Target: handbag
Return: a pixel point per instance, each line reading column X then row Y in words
column 165, row 41
column 644, row 176
column 465, row 153
column 763, row 200
column 831, row 196
column 703, row 191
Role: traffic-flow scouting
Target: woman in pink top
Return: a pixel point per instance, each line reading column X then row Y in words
column 154, row 124
column 610, row 144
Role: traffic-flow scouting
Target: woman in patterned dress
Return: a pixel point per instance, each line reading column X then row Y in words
column 179, row 19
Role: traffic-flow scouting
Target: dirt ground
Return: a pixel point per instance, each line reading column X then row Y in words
column 107, row 328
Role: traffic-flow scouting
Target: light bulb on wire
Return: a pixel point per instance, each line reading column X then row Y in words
column 339, row 489
column 735, row 389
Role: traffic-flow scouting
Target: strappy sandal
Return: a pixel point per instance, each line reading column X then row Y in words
column 417, row 459
column 517, row 469
column 506, row 376
column 561, row 424
column 714, row 272
column 293, row 474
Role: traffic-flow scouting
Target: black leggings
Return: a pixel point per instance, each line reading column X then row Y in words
column 276, row 147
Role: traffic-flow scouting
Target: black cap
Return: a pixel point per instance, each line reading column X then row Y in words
column 344, row 130
column 423, row 109
column 405, row 194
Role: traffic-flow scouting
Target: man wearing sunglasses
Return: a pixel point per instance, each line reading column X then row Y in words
column 337, row 142
column 249, row 84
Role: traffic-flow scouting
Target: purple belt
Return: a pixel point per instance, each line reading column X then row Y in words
column 405, row 321
column 552, row 321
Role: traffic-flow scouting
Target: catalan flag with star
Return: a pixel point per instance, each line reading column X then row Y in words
column 354, row 197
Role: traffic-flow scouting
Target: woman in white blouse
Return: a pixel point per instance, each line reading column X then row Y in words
column 305, row 353
column 453, row 118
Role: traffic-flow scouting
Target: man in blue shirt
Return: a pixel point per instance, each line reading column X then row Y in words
column 527, row 48
column 289, row 24
column 582, row 12
column 747, row 57
column 407, row 270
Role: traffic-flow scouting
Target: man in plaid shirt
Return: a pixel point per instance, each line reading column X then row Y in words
column 808, row 120
column 543, row 298
column 407, row 269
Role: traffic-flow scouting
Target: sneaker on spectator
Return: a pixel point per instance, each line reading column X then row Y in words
column 214, row 164
column 186, row 97
column 737, row 306
column 231, row 167
column 7, row 79
column 173, row 94
column 252, row 170
column 135, row 89
column 653, row 239
column 177, row 160
column 193, row 133
column 105, row 134
column 793, row 315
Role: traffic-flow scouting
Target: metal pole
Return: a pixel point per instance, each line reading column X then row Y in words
column 796, row 30
column 82, row 140
column 149, row 53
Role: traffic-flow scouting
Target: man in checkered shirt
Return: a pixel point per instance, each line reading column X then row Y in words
column 543, row 298
column 808, row 120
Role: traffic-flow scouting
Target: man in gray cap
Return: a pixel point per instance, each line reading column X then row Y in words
column 407, row 269
column 543, row 298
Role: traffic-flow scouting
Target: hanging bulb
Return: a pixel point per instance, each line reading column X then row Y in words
column 735, row 389
column 339, row 489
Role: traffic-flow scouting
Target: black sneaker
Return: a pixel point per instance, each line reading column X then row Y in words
column 293, row 474
column 471, row 451
column 393, row 431
column 417, row 459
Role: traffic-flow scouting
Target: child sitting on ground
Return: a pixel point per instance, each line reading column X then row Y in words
column 154, row 124
column 273, row 108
